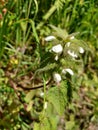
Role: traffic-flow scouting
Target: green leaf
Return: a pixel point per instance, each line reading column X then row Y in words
column 60, row 32
column 70, row 125
column 23, row 25
column 46, row 58
column 58, row 97
column 60, row 3
column 46, row 124
column 34, row 30
column 46, row 68
column 29, row 96
column 37, row 126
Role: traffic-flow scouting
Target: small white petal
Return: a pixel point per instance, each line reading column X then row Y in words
column 64, row 71
column 81, row 50
column 57, row 77
column 45, row 105
column 41, row 94
column 68, row 44
column 72, row 37
column 57, row 49
column 49, row 38
column 72, row 53
column 56, row 57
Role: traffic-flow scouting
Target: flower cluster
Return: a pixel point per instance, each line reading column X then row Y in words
column 57, row 50
column 57, row 77
column 72, row 53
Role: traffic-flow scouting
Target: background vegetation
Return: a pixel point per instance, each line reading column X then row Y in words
column 30, row 96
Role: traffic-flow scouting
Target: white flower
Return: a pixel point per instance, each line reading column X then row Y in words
column 45, row 105
column 68, row 44
column 81, row 50
column 72, row 37
column 72, row 53
column 49, row 38
column 57, row 49
column 64, row 71
column 57, row 77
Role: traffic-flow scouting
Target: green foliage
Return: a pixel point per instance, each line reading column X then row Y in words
column 28, row 60
column 46, row 124
column 60, row 3
column 58, row 97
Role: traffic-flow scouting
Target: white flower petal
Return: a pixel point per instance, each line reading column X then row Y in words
column 72, row 53
column 57, row 77
column 56, row 57
column 72, row 37
column 50, row 38
column 81, row 50
column 64, row 71
column 57, row 49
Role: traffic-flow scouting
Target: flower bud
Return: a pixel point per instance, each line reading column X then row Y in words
column 81, row 50
column 72, row 37
column 49, row 38
column 57, row 77
column 64, row 71
column 4, row 11
column 1, row 17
